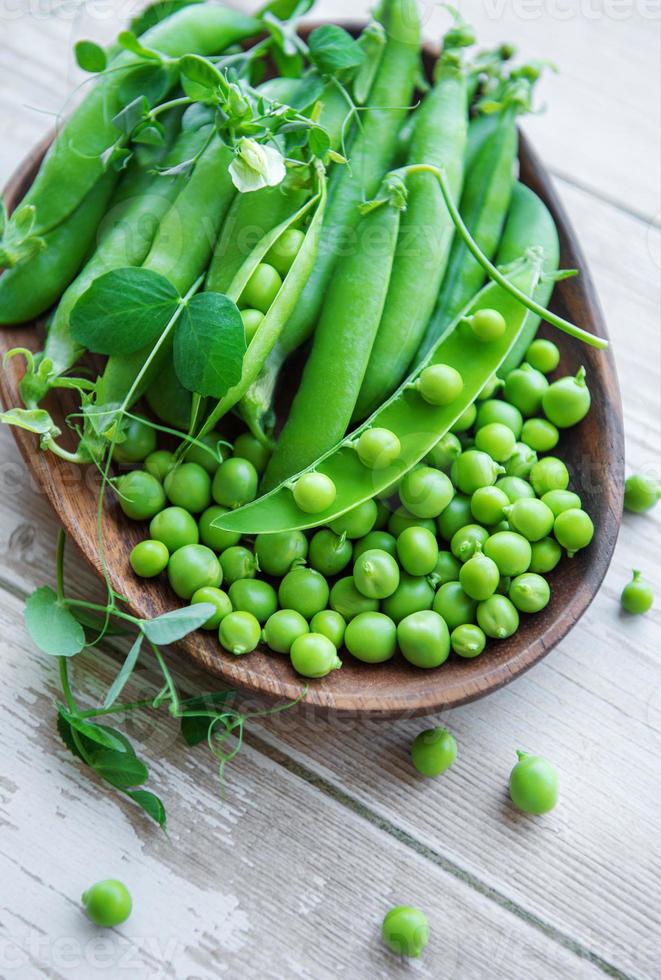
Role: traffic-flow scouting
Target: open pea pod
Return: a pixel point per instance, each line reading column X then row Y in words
column 417, row 424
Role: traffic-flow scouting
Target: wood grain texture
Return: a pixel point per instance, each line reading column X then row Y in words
column 594, row 452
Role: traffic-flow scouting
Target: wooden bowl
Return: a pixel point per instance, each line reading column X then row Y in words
column 594, row 452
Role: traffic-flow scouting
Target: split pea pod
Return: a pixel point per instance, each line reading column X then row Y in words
column 75, row 161
column 180, row 252
column 529, row 223
column 124, row 239
column 27, row 290
column 425, row 237
column 343, row 340
column 417, row 424
column 371, row 155
column 484, row 203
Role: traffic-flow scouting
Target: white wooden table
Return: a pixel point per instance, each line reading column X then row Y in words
column 323, row 824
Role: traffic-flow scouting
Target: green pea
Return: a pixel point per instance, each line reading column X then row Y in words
column 331, row 624
column 382, row 516
column 495, row 410
column 140, row 495
column 216, row 598
column 348, row 601
column 510, row 551
column 533, row 784
column 252, row 321
column 417, row 550
column 490, row 388
column 521, row 461
column 457, row 514
column 313, row 655
column 262, row 288
column 357, row 522
column 283, row 251
column 159, row 463
column 479, row 577
column 413, row 594
column 488, row 505
column 108, row 903
column 282, row 628
column 574, row 530
column 545, row 555
column 487, row 325
column 540, row 434
column 371, row 637
column 444, row 453
column 452, row 603
column 468, row 640
column 433, row 752
column 330, row 553
column 192, row 567
column 426, row 492
column 239, row 633
column 440, row 384
column 637, row 595
column 567, row 401
column 376, row 574
column 276, row 553
column 497, row 617
column 559, row 500
column 405, row 931
column 138, row 442
column 304, row 590
column 467, row 540
column 446, row 568
column 466, row 420
column 314, row 492
column 641, row 493
column 237, row 562
column 149, row 558
column 174, row 527
column 215, row 537
column 254, row 596
column 378, row 448
column 531, row 518
column 401, row 519
column 496, row 440
column 525, row 388
column 208, row 452
column 424, row 639
column 543, row 355
column 474, row 469
column 188, row 485
column 376, row 539
column 529, row 592
column 235, row 483
column 248, row 447
column 548, row 474
column 515, row 487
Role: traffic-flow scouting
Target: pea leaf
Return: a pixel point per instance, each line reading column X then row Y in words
column 209, row 345
column 150, row 803
column 332, row 49
column 51, row 625
column 123, row 310
column 173, row 626
column 121, row 769
column 90, row 56
column 195, row 726
column 96, row 737
column 124, row 673
column 201, row 71
column 156, row 12
column 35, row 420
column 150, row 80
column 319, row 141
column 129, row 42
column 128, row 118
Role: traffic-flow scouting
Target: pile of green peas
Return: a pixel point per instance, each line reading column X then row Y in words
column 451, row 563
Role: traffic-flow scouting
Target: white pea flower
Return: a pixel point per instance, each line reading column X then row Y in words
column 255, row 166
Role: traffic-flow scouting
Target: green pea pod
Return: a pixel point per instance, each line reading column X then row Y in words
column 284, row 303
column 28, row 290
column 124, row 239
column 439, row 138
column 529, row 223
column 417, row 424
column 336, row 365
column 76, row 159
column 180, row 252
column 371, row 155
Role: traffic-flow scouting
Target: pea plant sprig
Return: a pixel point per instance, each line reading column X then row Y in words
column 64, row 627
